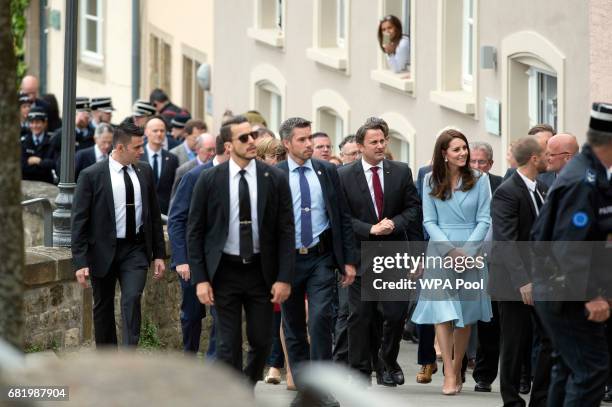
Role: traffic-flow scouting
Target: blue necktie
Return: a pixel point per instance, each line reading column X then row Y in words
column 155, row 169
column 306, row 220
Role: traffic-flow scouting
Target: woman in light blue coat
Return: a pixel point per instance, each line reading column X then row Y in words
column 456, row 206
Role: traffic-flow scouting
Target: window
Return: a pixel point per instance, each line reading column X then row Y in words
column 269, row 19
column 404, row 80
column 91, row 32
column 467, row 59
column 331, row 34
column 340, row 23
column 399, row 147
column 331, row 123
column 193, row 94
column 160, row 64
column 457, row 57
column 269, row 103
column 542, row 98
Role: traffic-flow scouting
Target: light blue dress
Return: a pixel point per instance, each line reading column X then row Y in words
column 461, row 221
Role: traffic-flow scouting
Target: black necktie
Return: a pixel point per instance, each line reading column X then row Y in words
column 130, row 207
column 538, row 200
column 246, row 230
column 155, row 169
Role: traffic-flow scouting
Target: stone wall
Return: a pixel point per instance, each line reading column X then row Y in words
column 58, row 312
column 33, row 215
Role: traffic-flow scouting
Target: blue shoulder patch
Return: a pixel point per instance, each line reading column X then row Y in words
column 580, row 219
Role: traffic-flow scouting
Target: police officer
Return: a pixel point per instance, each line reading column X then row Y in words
column 576, row 221
column 37, row 152
column 25, row 104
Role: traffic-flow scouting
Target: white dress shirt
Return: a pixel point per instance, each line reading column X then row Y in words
column 232, row 245
column 150, row 154
column 367, row 169
column 119, row 195
column 531, row 186
column 610, row 174
column 99, row 154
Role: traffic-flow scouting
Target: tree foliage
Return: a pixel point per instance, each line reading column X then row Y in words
column 18, row 28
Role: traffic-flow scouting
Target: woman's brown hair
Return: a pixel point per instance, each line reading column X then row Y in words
column 440, row 181
column 398, row 30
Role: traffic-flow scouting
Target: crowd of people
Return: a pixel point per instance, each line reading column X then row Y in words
column 275, row 225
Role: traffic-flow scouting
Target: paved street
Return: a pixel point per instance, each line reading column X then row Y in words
column 410, row 394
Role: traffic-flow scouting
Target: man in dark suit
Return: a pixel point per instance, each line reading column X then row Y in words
column 116, row 232
column 324, row 242
column 241, row 245
column 192, row 311
column 103, row 138
column 37, row 152
column 164, row 164
column 385, row 206
column 514, row 208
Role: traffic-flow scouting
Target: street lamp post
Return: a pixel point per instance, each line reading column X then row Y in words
column 62, row 215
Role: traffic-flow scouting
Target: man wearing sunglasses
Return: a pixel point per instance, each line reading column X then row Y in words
column 560, row 149
column 241, row 246
column 323, row 242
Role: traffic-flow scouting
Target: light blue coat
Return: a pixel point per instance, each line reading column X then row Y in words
column 459, row 222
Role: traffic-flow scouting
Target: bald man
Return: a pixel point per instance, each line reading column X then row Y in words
column 164, row 163
column 29, row 85
column 205, row 148
column 560, row 149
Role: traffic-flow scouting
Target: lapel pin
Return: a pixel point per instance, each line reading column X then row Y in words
column 266, row 174
column 319, row 172
column 167, row 158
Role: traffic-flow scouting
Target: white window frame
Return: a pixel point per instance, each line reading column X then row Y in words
column 88, row 56
column 267, row 78
column 538, row 97
column 331, row 102
column 340, row 23
column 329, row 46
column 271, row 33
column 467, row 60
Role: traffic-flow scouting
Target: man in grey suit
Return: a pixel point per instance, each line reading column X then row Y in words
column 205, row 147
column 186, row 151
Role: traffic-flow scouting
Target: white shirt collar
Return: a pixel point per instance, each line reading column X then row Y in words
column 293, row 165
column 99, row 154
column 531, row 185
column 215, row 161
column 150, row 152
column 115, row 165
column 235, row 168
column 367, row 165
column 610, row 173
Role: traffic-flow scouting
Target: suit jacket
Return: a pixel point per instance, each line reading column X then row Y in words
column 46, row 151
column 180, row 153
column 421, row 177
column 169, row 164
column 401, row 203
column 179, row 212
column 337, row 211
column 494, row 181
column 180, row 172
column 513, row 215
column 83, row 159
column 94, row 231
column 209, row 224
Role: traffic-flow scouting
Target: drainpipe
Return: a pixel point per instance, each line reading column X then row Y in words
column 135, row 50
column 42, row 51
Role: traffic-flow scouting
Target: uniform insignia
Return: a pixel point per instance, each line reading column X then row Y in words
column 591, row 177
column 580, row 219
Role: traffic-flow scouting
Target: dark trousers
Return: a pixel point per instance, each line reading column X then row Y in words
column 130, row 268
column 580, row 372
column 192, row 313
column 340, row 352
column 277, row 357
column 237, row 286
column 211, row 352
column 487, row 354
column 314, row 276
column 516, row 321
column 362, row 316
column 426, row 354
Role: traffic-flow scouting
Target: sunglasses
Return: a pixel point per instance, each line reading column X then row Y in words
column 244, row 138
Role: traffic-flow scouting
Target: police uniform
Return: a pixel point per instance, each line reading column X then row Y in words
column 577, row 221
column 39, row 146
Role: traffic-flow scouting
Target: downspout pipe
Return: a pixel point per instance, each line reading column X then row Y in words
column 42, row 50
column 135, row 50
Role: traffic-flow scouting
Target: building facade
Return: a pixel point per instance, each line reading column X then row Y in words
column 492, row 68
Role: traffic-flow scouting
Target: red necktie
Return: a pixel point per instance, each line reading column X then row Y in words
column 378, row 192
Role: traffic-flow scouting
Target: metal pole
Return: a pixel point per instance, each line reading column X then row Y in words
column 135, row 50
column 42, row 27
column 61, row 216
